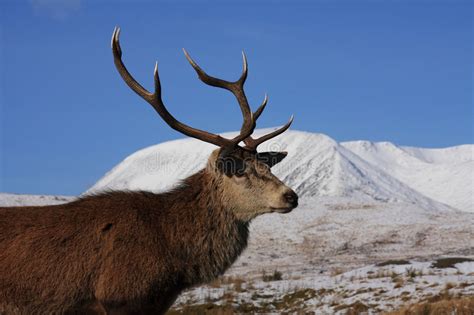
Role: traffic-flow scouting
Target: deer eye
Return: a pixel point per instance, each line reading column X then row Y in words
column 231, row 166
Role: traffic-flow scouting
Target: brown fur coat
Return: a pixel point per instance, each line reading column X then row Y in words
column 126, row 252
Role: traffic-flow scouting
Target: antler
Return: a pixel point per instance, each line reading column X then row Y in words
column 155, row 100
column 236, row 87
column 252, row 144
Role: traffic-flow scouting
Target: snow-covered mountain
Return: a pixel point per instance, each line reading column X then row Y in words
column 446, row 175
column 17, row 200
column 317, row 166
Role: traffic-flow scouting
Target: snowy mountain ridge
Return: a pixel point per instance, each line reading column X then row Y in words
column 318, row 166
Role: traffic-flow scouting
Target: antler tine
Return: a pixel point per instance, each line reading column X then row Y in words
column 155, row 100
column 260, row 109
column 252, row 144
column 236, row 87
column 253, row 118
column 243, row 76
column 213, row 81
column 126, row 76
column 204, row 77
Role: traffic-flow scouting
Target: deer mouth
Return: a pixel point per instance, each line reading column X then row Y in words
column 282, row 210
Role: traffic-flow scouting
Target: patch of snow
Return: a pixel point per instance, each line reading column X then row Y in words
column 465, row 267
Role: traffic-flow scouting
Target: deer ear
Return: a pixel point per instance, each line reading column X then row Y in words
column 231, row 165
column 271, row 158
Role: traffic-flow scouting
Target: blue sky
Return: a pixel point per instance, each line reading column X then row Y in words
column 397, row 71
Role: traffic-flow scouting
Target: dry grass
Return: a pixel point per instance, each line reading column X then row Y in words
column 449, row 285
column 355, row 308
column 461, row 306
column 290, row 302
column 413, row 272
column 336, row 271
column 393, row 262
column 204, row 309
column 235, row 281
column 275, row 276
column 294, row 299
column 463, row 285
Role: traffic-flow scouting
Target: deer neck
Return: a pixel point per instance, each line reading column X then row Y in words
column 216, row 238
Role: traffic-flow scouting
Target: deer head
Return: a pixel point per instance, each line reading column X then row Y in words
column 244, row 176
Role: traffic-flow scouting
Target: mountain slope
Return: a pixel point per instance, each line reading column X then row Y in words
column 17, row 200
column 442, row 174
column 316, row 166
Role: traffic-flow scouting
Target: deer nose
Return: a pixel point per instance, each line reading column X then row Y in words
column 291, row 197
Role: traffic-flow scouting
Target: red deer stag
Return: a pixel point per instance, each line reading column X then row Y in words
column 126, row 252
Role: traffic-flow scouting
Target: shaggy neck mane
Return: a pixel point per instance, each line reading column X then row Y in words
column 204, row 228
column 193, row 222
